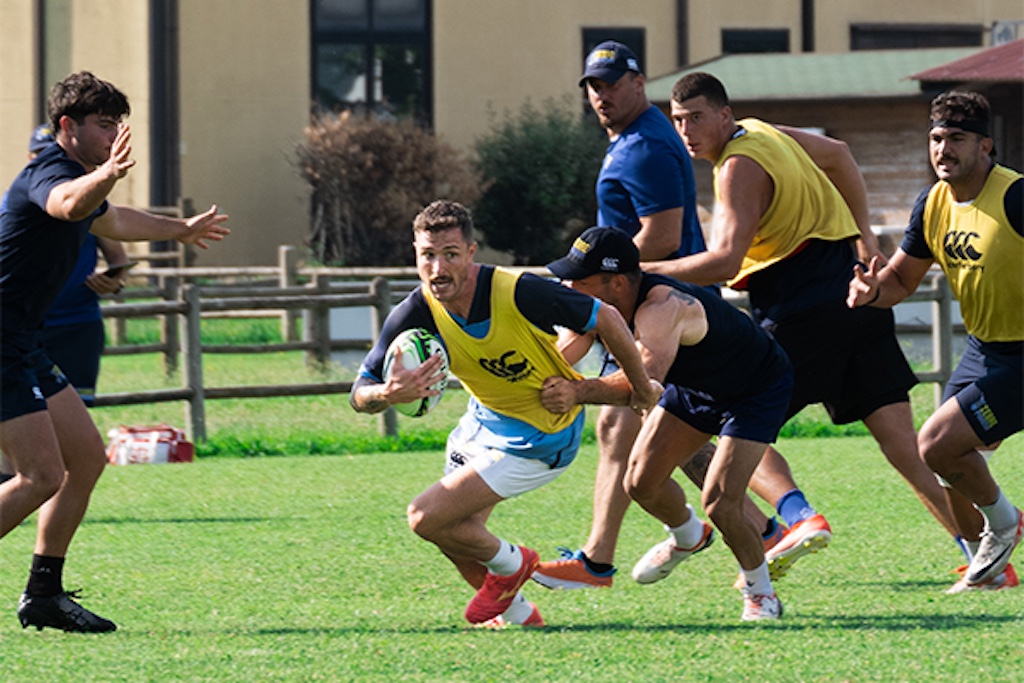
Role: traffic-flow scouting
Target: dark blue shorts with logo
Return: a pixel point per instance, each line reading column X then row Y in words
column 988, row 383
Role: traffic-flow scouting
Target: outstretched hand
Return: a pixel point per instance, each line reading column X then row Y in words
column 120, row 154
column 204, row 226
column 864, row 285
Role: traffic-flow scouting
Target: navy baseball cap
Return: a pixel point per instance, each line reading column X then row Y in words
column 41, row 137
column 598, row 250
column 609, row 61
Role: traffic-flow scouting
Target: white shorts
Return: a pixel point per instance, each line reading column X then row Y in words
column 507, row 475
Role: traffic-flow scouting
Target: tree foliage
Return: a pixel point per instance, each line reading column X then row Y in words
column 538, row 170
column 369, row 179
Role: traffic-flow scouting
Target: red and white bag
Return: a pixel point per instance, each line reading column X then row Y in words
column 157, row 444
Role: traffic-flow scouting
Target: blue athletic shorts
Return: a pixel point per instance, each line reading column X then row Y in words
column 27, row 376
column 757, row 417
column 989, row 386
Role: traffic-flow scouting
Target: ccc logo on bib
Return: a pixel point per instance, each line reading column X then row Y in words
column 511, row 365
column 957, row 245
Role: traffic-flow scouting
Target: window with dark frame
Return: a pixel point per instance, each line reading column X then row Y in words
column 753, row 40
column 373, row 55
column 908, row 36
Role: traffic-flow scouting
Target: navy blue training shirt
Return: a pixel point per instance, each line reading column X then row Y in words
column 37, row 251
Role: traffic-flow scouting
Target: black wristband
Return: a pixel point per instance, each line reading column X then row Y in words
column 875, row 298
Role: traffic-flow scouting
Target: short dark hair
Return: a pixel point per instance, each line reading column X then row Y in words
column 961, row 106
column 700, row 83
column 81, row 94
column 444, row 214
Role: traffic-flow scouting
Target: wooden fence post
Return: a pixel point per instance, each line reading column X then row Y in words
column 380, row 289
column 287, row 260
column 317, row 327
column 170, row 339
column 195, row 408
column 942, row 335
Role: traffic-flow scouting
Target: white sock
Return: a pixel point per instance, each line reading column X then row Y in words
column 689, row 533
column 508, row 560
column 758, row 581
column 972, row 549
column 1001, row 514
column 519, row 611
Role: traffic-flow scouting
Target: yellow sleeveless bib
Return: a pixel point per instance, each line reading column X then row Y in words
column 982, row 256
column 505, row 369
column 806, row 205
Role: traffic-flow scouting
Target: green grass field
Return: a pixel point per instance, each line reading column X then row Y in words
column 303, row 569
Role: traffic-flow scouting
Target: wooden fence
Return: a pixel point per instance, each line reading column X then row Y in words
column 184, row 304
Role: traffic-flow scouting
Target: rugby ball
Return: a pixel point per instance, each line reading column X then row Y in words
column 417, row 345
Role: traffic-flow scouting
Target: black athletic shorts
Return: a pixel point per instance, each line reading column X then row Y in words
column 847, row 359
column 989, row 386
column 27, row 376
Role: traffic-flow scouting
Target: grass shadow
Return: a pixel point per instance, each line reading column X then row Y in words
column 895, row 623
column 175, row 520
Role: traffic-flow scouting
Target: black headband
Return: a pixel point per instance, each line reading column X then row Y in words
column 979, row 126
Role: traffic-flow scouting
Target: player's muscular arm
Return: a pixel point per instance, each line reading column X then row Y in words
column 694, row 317
column 660, row 234
column 836, row 160
column 662, row 322
column 745, row 192
column 368, row 396
column 126, row 223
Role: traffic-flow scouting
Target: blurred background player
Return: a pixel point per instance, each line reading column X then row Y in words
column 790, row 205
column 499, row 330
column 45, row 429
column 723, row 375
column 971, row 223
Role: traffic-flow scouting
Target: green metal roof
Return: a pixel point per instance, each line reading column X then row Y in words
column 815, row 76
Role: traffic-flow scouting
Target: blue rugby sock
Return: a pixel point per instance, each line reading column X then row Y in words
column 793, row 507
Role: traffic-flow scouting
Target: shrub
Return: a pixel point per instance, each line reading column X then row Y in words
column 369, row 179
column 538, row 170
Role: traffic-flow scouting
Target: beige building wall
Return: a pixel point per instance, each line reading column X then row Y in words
column 17, row 65
column 111, row 39
column 245, row 100
column 490, row 58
